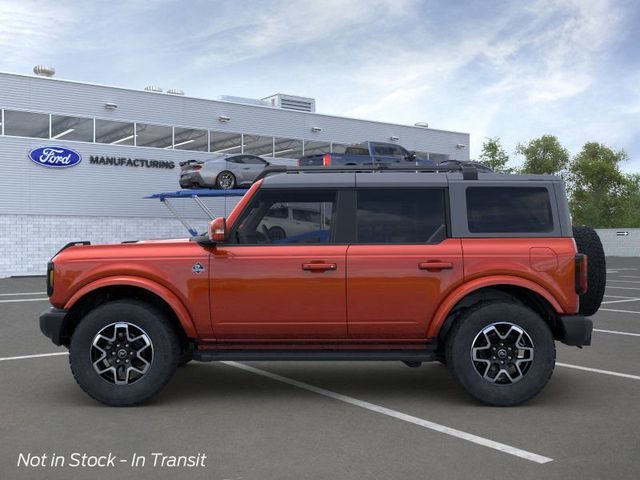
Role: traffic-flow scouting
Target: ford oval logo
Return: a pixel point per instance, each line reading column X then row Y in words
column 55, row 157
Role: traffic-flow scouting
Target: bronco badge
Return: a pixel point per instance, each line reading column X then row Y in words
column 197, row 268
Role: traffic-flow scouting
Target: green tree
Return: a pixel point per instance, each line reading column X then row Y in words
column 494, row 156
column 601, row 195
column 543, row 155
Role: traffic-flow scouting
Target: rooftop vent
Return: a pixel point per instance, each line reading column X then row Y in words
column 44, row 71
column 291, row 102
column 153, row 88
column 244, row 100
column 175, row 91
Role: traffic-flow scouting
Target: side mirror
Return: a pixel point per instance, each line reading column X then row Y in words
column 218, row 230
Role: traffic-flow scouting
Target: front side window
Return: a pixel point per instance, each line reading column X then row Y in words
column 251, row 160
column 401, row 216
column 288, row 217
column 509, row 210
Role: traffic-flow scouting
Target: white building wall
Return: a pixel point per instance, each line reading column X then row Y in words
column 617, row 244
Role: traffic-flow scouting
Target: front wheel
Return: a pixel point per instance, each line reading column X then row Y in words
column 123, row 352
column 502, row 353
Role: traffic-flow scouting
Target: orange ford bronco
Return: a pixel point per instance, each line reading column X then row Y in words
column 480, row 271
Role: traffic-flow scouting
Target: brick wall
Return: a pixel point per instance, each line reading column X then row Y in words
column 27, row 242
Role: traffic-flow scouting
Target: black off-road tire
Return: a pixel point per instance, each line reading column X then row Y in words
column 468, row 327
column 165, row 352
column 588, row 242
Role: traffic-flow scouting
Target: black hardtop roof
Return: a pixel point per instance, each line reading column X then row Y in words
column 284, row 176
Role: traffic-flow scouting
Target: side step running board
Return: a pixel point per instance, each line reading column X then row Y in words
column 311, row 355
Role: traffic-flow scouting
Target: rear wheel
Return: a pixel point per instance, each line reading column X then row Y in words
column 123, row 352
column 588, row 242
column 502, row 353
column 225, row 180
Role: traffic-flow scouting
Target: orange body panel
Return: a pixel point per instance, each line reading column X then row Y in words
column 164, row 268
column 264, row 292
column 390, row 296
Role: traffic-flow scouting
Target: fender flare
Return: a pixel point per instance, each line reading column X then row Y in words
column 467, row 288
column 164, row 293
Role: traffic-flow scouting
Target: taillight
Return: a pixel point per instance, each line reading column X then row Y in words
column 299, row 162
column 326, row 160
column 196, row 167
column 582, row 283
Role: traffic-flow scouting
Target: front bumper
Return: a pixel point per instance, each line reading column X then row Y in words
column 575, row 330
column 53, row 324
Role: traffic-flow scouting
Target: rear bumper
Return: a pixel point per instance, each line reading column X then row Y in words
column 191, row 180
column 53, row 323
column 575, row 330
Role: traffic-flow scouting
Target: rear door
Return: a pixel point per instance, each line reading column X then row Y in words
column 402, row 263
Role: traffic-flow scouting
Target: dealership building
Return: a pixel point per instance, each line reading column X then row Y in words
column 126, row 144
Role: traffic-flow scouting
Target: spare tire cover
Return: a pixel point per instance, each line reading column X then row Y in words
column 589, row 243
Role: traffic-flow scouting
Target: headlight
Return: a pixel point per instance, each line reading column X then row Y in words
column 50, row 273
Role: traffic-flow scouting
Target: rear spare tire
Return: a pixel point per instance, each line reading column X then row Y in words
column 589, row 243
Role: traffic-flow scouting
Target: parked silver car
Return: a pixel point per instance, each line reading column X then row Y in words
column 223, row 172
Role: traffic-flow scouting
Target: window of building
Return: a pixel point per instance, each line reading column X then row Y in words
column 157, row 136
column 258, row 145
column 288, row 217
column 115, row 133
column 26, row 124
column 287, row 148
column 190, row 139
column 227, row 143
column 71, row 128
column 509, row 210
column 401, row 216
column 316, row 148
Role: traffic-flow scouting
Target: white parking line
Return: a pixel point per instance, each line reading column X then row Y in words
column 629, row 276
column 485, row 442
column 617, row 311
column 616, row 332
column 597, row 370
column 623, row 281
column 622, row 288
column 18, row 300
column 23, row 357
column 622, row 301
column 22, row 293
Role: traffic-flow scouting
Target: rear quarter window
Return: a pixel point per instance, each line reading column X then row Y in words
column 509, row 210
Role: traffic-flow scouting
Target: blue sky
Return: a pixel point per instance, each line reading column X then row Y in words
column 515, row 70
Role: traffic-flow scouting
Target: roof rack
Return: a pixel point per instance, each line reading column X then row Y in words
column 469, row 170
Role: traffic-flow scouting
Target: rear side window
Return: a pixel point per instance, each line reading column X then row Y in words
column 401, row 216
column 509, row 210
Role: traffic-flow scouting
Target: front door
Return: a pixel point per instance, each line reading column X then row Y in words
column 401, row 264
column 277, row 279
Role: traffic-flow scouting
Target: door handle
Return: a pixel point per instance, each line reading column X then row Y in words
column 435, row 266
column 319, row 267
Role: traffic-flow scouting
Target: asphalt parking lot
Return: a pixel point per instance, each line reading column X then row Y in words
column 330, row 420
